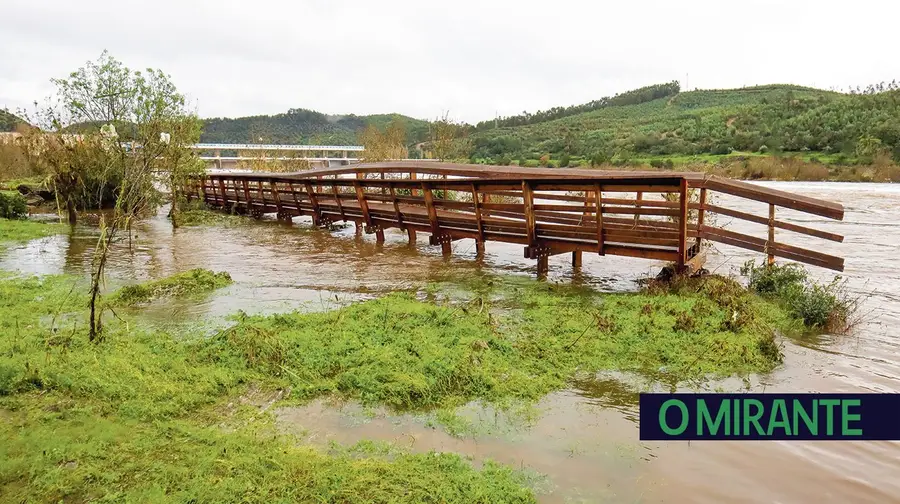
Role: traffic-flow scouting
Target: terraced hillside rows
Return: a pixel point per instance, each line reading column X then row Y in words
column 759, row 119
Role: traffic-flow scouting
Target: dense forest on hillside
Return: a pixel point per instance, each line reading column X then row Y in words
column 301, row 126
column 764, row 119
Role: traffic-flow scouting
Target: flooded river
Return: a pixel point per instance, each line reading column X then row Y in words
column 582, row 446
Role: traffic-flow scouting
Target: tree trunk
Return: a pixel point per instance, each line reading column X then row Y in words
column 174, row 211
column 96, row 318
column 70, row 210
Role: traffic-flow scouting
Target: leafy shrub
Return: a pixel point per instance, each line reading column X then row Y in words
column 564, row 161
column 826, row 307
column 598, row 159
column 771, row 279
column 12, row 205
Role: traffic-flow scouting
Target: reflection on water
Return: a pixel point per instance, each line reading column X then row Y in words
column 584, row 439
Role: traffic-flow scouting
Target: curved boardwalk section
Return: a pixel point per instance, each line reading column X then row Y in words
column 653, row 215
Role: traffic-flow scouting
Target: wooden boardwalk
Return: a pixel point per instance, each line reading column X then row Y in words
column 653, row 215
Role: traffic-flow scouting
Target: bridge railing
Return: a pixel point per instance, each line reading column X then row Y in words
column 771, row 200
column 653, row 215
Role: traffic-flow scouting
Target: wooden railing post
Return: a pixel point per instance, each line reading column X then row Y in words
column 683, row 224
column 337, row 198
column 397, row 214
column 277, row 198
column 479, row 225
column 446, row 248
column 530, row 224
column 296, row 199
column 598, row 202
column 771, row 243
column 314, row 201
column 224, row 192
column 637, row 206
column 215, row 197
column 247, row 200
column 531, row 231
column 701, row 213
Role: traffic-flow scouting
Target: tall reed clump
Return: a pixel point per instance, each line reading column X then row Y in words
column 829, row 307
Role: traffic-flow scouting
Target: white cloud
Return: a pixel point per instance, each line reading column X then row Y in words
column 473, row 58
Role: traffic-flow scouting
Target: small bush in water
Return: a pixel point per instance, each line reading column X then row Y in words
column 827, row 307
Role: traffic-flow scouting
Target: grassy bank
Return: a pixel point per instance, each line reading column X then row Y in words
column 508, row 338
column 149, row 415
column 16, row 230
column 144, row 417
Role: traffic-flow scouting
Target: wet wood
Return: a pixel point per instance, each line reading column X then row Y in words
column 771, row 257
column 548, row 211
column 683, row 225
column 765, row 221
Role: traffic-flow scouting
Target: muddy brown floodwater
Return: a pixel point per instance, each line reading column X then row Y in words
column 582, row 446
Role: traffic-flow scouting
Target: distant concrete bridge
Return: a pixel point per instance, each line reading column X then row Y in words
column 318, row 156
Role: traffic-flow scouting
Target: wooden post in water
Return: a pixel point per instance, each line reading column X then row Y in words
column 314, row 201
column 446, row 248
column 771, row 257
column 576, row 259
column 479, row 225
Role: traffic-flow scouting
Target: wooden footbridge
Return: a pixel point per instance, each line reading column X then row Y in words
column 653, row 215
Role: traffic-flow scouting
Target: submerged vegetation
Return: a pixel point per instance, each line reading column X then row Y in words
column 178, row 406
column 143, row 417
column 189, row 283
column 515, row 340
column 18, row 230
column 826, row 307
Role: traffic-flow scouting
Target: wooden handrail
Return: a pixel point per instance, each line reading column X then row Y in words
column 548, row 211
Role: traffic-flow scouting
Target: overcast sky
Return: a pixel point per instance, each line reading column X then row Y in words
column 474, row 59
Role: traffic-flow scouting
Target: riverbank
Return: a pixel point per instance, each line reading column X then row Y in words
column 189, row 412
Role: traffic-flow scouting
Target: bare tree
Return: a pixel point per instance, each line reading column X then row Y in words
column 447, row 137
column 384, row 145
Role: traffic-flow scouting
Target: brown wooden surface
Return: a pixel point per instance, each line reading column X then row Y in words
column 550, row 211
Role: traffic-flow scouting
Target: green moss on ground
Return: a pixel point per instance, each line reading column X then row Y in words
column 189, row 283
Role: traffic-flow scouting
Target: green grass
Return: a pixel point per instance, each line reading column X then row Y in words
column 189, row 283
column 149, row 415
column 206, row 217
column 144, row 417
column 19, row 230
column 517, row 340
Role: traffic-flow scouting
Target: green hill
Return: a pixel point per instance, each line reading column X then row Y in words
column 301, row 126
column 9, row 121
column 759, row 119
